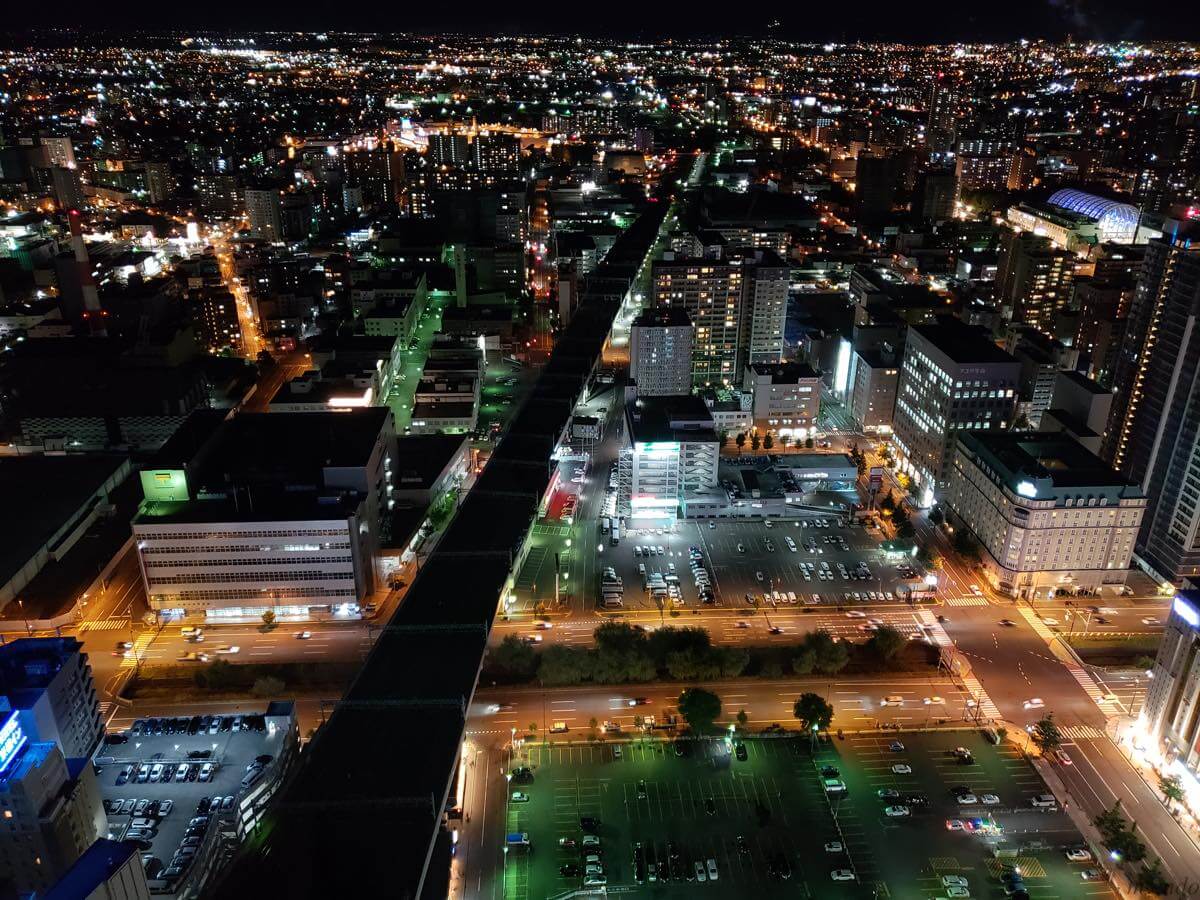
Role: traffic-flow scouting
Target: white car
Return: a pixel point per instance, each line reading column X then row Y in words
column 855, row 614
column 1151, row 620
column 967, row 799
column 935, row 701
column 957, row 891
column 834, row 847
column 1034, row 703
column 1079, row 854
column 229, row 650
column 892, row 700
column 1049, row 620
column 897, row 812
column 712, row 869
column 902, row 769
column 989, row 799
column 955, row 825
column 842, row 875
column 954, row 881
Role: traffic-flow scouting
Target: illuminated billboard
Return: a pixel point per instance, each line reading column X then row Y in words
column 164, row 484
column 12, row 739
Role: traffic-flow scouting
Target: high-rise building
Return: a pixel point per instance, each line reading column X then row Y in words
column 52, row 808
column 1170, row 717
column 160, row 183
column 1034, row 279
column 660, row 352
column 217, row 317
column 953, row 379
column 738, row 305
column 68, row 189
column 874, row 187
column 379, row 171
column 265, row 210
column 1047, row 512
column 874, row 377
column 497, row 154
column 1159, row 387
column 939, row 194
column 59, row 152
column 941, row 126
column 219, row 195
column 49, row 683
column 449, row 149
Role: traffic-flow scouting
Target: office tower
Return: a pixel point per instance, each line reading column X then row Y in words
column 160, row 183
column 1034, row 279
column 874, row 187
column 497, row 154
column 737, row 302
column 1159, row 443
column 448, row 150
column 1171, row 713
column 711, row 292
column 59, row 152
column 939, row 194
column 1079, row 407
column 941, row 125
column 1045, row 510
column 379, row 172
column 953, row 379
column 1022, row 169
column 265, row 210
column 874, row 377
column 660, row 352
column 49, row 684
column 765, row 306
column 217, row 317
column 68, row 188
column 52, row 808
column 786, row 397
column 219, row 195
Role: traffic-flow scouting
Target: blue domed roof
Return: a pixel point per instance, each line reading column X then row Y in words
column 1114, row 214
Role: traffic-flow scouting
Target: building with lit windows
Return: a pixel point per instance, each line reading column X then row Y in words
column 671, row 451
column 874, row 377
column 1033, row 280
column 1048, row 514
column 264, row 208
column 660, row 352
column 278, row 511
column 786, row 397
column 48, row 681
column 953, row 379
column 1168, row 728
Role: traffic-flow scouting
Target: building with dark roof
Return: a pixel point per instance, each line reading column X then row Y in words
column 108, row 870
column 50, row 502
column 953, row 379
column 1049, row 514
column 280, row 511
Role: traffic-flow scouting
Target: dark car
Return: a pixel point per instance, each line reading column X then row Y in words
column 116, row 738
column 740, row 752
column 202, row 806
column 571, row 870
column 589, row 823
column 522, row 775
column 915, row 800
column 830, row 772
column 710, row 806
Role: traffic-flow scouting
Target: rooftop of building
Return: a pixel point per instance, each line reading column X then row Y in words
column 28, row 665
column 421, row 458
column 682, row 418
column 784, row 373
column 663, row 317
column 962, row 343
column 1045, row 465
column 97, row 865
column 331, row 392
column 41, row 495
column 452, row 410
column 1081, row 381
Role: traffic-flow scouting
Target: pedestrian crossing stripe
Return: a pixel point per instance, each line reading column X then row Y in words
column 973, row 685
column 966, row 601
column 1078, row 672
column 1081, row 732
column 104, row 624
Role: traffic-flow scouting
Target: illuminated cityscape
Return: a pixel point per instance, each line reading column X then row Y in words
column 523, row 465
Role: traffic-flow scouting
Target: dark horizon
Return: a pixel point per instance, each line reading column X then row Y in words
column 869, row 21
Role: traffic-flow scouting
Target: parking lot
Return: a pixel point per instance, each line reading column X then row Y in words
column 830, row 562
column 160, row 785
column 768, row 825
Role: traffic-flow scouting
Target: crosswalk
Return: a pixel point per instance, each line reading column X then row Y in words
column 114, row 624
column 973, row 685
column 1081, row 732
column 966, row 601
column 1078, row 672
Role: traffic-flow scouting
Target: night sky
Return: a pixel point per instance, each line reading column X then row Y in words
column 937, row 21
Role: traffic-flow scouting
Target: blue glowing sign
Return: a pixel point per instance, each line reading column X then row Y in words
column 12, row 739
column 1187, row 612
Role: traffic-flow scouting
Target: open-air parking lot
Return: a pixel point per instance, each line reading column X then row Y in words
column 822, row 562
column 173, row 785
column 868, row 816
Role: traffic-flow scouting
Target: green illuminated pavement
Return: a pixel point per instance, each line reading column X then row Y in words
column 405, row 387
column 703, row 802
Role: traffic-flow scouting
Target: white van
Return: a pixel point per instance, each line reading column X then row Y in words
column 1044, row 801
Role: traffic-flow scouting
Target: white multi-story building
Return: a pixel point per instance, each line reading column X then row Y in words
column 660, row 352
column 1048, row 513
column 953, row 379
column 271, row 513
column 786, row 397
column 670, row 452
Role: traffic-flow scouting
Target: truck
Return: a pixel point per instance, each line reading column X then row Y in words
column 605, row 524
column 516, row 839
